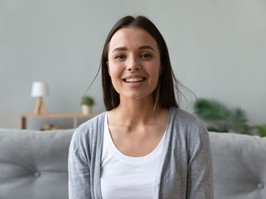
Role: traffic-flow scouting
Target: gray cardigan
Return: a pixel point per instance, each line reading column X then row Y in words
column 185, row 171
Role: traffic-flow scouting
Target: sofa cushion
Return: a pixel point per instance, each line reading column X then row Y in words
column 239, row 166
column 33, row 164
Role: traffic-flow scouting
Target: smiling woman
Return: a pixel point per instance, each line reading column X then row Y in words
column 134, row 64
column 164, row 87
column 144, row 146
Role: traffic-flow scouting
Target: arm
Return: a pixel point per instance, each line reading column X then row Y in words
column 199, row 177
column 78, row 171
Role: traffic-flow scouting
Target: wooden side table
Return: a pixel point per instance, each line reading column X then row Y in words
column 74, row 116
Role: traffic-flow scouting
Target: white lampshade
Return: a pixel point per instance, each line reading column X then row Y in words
column 39, row 89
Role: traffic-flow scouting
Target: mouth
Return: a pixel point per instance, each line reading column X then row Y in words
column 134, row 79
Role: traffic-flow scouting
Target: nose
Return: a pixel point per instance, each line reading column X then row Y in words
column 133, row 64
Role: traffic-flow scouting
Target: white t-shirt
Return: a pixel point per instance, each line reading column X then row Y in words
column 125, row 177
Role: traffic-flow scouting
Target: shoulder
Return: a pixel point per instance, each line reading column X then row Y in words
column 92, row 123
column 184, row 118
column 87, row 140
column 187, row 123
column 89, row 130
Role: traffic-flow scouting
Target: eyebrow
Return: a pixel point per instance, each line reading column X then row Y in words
column 140, row 48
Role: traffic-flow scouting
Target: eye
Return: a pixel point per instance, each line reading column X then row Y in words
column 120, row 57
column 146, row 56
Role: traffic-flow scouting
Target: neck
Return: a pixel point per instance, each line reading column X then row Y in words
column 135, row 112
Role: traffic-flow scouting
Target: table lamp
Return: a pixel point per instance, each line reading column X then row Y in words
column 39, row 89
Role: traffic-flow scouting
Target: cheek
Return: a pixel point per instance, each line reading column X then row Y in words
column 157, row 72
column 109, row 68
column 114, row 72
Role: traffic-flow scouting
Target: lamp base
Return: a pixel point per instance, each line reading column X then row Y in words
column 40, row 105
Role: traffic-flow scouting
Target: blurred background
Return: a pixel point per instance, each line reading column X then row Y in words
column 217, row 50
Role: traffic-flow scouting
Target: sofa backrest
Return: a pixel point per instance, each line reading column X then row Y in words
column 33, row 164
column 239, row 166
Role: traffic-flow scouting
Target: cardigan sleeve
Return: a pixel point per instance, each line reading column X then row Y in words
column 84, row 160
column 186, row 170
column 199, row 174
column 78, row 170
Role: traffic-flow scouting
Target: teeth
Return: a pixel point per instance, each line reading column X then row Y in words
column 130, row 80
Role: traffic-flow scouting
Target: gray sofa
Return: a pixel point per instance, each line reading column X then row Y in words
column 33, row 165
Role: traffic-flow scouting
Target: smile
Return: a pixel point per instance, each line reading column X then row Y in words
column 134, row 80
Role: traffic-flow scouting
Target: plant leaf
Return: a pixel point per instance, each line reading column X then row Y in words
column 211, row 110
column 238, row 120
column 262, row 130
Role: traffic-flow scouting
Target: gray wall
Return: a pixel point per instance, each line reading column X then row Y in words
column 217, row 49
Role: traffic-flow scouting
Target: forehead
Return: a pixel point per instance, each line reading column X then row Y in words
column 132, row 37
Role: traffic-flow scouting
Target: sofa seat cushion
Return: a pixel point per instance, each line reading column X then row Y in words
column 33, row 164
column 239, row 166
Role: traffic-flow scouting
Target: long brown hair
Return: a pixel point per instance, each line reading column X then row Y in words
column 164, row 94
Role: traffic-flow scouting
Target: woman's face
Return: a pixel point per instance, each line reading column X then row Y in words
column 134, row 63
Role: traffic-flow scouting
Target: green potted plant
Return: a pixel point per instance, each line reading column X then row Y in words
column 86, row 103
column 261, row 129
column 220, row 118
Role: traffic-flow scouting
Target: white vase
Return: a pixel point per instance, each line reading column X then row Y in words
column 86, row 109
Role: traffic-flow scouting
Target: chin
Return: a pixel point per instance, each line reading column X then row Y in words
column 138, row 97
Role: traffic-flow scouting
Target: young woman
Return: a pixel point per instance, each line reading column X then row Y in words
column 144, row 146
